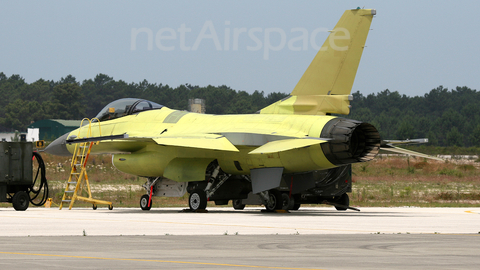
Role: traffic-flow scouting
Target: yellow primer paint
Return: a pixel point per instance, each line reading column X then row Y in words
column 285, row 145
column 204, row 141
column 166, row 141
column 200, row 136
column 327, row 82
column 187, row 169
column 334, row 67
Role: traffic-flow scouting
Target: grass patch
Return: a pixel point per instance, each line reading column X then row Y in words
column 392, row 181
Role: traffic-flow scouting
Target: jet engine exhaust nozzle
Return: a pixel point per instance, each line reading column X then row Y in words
column 351, row 141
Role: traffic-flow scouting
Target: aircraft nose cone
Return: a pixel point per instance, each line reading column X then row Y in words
column 58, row 147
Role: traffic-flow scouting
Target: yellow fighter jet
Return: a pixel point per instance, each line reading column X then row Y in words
column 291, row 152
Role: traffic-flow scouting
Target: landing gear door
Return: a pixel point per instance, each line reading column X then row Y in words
column 265, row 179
column 170, row 188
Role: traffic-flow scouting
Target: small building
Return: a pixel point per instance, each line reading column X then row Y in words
column 30, row 136
column 197, row 105
column 7, row 136
column 50, row 129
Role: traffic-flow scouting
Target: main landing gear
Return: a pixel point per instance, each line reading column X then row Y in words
column 276, row 200
column 238, row 205
column 199, row 196
column 197, row 200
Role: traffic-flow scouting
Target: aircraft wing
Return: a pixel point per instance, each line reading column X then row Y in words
column 202, row 141
column 228, row 142
column 404, row 142
column 222, row 142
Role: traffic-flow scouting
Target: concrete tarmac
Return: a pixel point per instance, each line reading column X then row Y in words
column 311, row 238
column 220, row 221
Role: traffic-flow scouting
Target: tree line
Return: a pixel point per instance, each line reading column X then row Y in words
column 23, row 103
column 446, row 117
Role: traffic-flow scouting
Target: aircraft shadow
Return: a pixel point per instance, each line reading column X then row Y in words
column 260, row 212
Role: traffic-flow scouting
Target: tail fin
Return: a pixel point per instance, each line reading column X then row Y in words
column 326, row 84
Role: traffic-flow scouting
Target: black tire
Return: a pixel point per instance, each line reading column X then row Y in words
column 110, row 207
column 275, row 200
column 20, row 201
column 197, row 200
column 94, row 206
column 238, row 205
column 344, row 200
column 287, row 202
column 144, row 202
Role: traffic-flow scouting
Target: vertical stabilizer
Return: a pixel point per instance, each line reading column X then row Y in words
column 326, row 84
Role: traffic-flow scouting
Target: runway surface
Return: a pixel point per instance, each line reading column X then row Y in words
column 219, row 221
column 311, row 238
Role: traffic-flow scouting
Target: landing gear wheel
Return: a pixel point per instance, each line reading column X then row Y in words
column 94, row 206
column 110, row 207
column 197, row 200
column 20, row 201
column 144, row 202
column 287, row 202
column 238, row 205
column 274, row 200
column 343, row 200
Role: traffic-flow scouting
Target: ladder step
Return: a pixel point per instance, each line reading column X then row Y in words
column 78, row 171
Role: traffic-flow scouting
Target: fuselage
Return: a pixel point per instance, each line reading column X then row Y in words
column 246, row 132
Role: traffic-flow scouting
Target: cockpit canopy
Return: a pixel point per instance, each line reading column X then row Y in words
column 126, row 106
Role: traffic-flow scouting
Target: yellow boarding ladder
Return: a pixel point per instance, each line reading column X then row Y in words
column 78, row 176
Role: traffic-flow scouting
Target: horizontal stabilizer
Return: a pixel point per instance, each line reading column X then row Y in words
column 285, row 145
column 408, row 152
column 403, row 142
